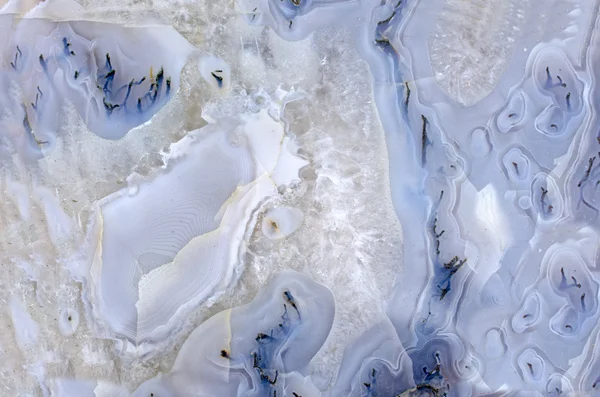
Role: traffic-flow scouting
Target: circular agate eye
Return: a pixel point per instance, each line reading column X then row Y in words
column 494, row 345
column 526, row 317
column 68, row 321
column 532, row 365
column 281, row 222
column 513, row 114
column 565, row 322
column 215, row 72
column 555, row 77
column 479, row 142
column 518, row 167
column 558, row 385
column 551, row 122
column 546, row 197
column 524, row 202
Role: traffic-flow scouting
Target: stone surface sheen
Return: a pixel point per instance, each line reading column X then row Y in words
column 490, row 115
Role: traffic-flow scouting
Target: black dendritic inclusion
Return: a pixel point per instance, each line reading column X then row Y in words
column 112, row 97
column 546, row 207
column 444, row 272
column 564, row 284
column 19, row 54
column 263, row 359
column 380, row 38
column 29, row 130
column 67, row 51
column 424, row 140
column 428, row 387
column 550, row 82
column 36, row 108
column 217, row 76
column 269, row 345
column 586, row 180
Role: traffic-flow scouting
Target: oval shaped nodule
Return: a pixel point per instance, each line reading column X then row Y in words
column 280, row 222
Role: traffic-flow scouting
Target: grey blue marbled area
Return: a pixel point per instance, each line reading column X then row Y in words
column 499, row 201
column 498, row 292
